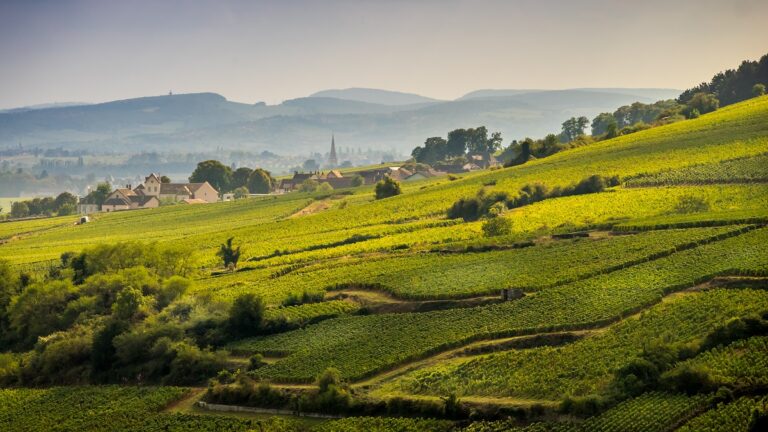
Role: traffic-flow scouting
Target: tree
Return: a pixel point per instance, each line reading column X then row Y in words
column 435, row 149
column 246, row 315
column 229, row 254
column 64, row 203
column 260, row 181
column 574, row 128
column 128, row 303
column 387, row 187
column 457, row 142
column 165, row 179
column 758, row 90
column 325, row 187
column 240, row 177
column 493, row 144
column 703, row 102
column 601, row 123
column 357, row 180
column 478, row 140
column 213, row 172
column 19, row 209
column 101, row 193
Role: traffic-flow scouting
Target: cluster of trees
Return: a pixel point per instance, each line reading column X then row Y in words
column 492, row 204
column 116, row 313
column 242, row 181
column 64, row 204
column 733, row 85
column 460, row 142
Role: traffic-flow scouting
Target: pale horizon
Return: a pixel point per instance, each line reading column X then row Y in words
column 92, row 52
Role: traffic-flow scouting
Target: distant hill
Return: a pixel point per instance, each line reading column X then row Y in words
column 382, row 97
column 201, row 121
column 651, row 94
column 44, row 106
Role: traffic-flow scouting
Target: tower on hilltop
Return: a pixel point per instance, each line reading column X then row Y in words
column 333, row 160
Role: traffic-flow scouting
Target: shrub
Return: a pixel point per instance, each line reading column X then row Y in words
column 387, row 187
column 497, row 226
column 325, row 188
column 687, row 204
column 688, row 379
column 465, row 208
column 241, row 192
column 636, row 377
column 357, row 181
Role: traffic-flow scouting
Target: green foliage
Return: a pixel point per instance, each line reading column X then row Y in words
column 241, row 192
column 229, row 254
column 732, row 85
column 701, row 103
column 497, row 226
column 246, row 315
column 758, row 90
column 691, row 204
column 260, row 181
column 213, row 172
column 387, row 187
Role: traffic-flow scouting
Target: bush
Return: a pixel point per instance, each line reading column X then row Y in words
column 497, row 226
column 465, row 208
column 636, row 377
column 387, row 187
column 688, row 379
column 357, row 181
column 325, row 188
column 687, row 204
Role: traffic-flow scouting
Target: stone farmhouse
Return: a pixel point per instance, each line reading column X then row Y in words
column 150, row 194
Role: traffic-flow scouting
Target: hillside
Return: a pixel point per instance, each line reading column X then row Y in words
column 195, row 122
column 638, row 306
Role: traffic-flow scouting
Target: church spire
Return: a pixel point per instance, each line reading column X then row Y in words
column 333, row 160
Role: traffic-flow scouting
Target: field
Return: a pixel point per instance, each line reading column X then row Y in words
column 404, row 304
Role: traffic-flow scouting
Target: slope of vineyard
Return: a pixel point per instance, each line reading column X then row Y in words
column 586, row 367
column 359, row 346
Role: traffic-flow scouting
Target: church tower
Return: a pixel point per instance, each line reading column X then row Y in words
column 333, row 160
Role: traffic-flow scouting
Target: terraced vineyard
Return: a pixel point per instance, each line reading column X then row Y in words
column 744, row 170
column 650, row 412
column 399, row 300
column 586, row 367
column 360, row 346
column 733, row 416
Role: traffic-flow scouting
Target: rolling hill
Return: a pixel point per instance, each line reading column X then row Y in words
column 640, row 306
column 359, row 117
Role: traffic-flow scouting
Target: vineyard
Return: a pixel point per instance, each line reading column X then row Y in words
column 388, row 313
column 357, row 347
column 586, row 367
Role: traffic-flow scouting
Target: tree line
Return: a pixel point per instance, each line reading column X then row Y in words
column 241, row 181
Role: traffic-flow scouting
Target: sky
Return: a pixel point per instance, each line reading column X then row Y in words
column 251, row 51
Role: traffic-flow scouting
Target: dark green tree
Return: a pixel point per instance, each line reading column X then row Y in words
column 260, row 181
column 229, row 254
column 19, row 209
column 387, row 187
column 458, row 140
column 246, row 315
column 165, row 179
column 240, row 177
column 213, row 172
column 703, row 103
column 758, row 89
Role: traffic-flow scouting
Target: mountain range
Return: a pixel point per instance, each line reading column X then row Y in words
column 364, row 118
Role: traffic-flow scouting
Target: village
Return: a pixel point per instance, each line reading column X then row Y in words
column 157, row 190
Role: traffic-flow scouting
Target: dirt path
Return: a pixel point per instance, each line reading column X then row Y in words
column 312, row 208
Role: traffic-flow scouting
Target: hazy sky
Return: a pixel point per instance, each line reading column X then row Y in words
column 249, row 51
